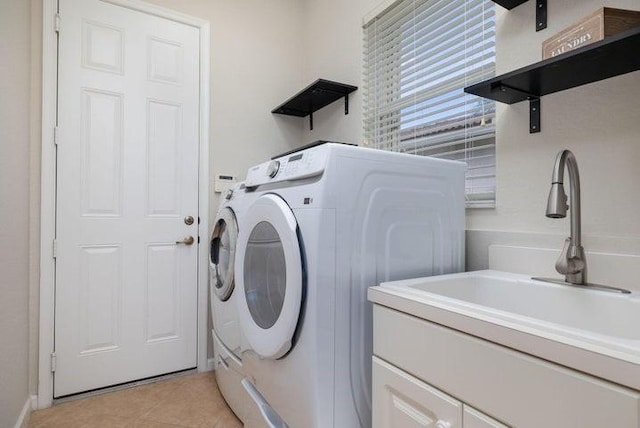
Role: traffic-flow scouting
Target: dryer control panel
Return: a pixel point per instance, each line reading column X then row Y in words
column 296, row 166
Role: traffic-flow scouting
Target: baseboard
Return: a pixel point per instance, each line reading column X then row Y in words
column 34, row 402
column 23, row 419
column 211, row 364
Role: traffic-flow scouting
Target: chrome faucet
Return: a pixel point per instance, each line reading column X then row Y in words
column 572, row 262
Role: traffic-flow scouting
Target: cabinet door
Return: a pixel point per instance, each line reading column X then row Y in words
column 402, row 401
column 475, row 419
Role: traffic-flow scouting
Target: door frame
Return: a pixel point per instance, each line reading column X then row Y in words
column 48, row 185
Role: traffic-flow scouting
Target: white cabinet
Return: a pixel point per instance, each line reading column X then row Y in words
column 475, row 419
column 403, row 401
column 424, row 373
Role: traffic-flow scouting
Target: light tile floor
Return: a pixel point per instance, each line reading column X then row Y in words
column 186, row 401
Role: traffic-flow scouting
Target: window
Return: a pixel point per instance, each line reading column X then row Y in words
column 419, row 55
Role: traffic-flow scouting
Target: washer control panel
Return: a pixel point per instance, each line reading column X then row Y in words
column 296, row 166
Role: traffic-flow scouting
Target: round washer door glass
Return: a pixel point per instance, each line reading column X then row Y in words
column 269, row 276
column 265, row 275
column 222, row 254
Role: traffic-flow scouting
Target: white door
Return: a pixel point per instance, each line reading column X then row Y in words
column 126, row 291
column 269, row 276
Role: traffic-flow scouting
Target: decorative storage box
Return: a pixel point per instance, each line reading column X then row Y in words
column 604, row 22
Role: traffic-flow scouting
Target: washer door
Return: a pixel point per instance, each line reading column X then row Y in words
column 222, row 254
column 269, row 276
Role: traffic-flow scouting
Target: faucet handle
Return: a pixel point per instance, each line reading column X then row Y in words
column 562, row 264
column 571, row 260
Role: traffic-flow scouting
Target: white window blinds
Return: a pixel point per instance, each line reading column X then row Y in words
column 419, row 55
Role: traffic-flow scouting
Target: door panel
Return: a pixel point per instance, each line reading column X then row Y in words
column 162, row 300
column 101, row 148
column 163, row 159
column 126, row 291
column 101, row 292
column 102, row 47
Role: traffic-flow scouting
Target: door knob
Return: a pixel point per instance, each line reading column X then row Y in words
column 186, row 241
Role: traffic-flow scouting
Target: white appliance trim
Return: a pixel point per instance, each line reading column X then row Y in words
column 228, row 216
column 48, row 185
column 276, row 340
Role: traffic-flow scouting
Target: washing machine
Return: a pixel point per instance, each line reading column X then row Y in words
column 321, row 225
column 228, row 340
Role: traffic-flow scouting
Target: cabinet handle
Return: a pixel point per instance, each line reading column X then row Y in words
column 443, row 424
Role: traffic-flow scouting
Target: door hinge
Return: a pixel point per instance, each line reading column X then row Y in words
column 53, row 362
column 56, row 22
column 55, row 248
column 56, row 135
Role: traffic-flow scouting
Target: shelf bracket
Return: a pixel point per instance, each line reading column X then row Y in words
column 346, row 106
column 315, row 91
column 541, row 14
column 346, row 99
column 534, row 115
column 534, row 106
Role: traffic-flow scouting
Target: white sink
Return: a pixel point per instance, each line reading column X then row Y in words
column 601, row 312
column 501, row 307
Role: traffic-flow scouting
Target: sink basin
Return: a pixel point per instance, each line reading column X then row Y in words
column 598, row 321
column 600, row 312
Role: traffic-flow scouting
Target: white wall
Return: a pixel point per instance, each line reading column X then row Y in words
column 599, row 122
column 14, row 208
column 333, row 51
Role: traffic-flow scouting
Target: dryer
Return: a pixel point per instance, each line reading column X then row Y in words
column 321, row 226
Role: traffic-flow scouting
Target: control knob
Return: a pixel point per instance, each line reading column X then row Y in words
column 273, row 168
